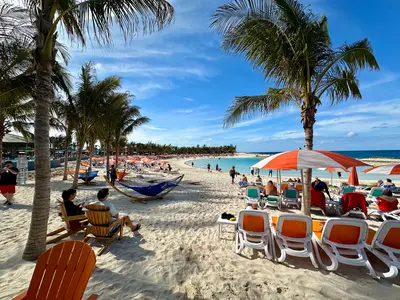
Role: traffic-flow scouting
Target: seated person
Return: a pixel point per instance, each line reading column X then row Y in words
column 270, row 189
column 102, row 197
column 380, row 183
column 252, row 206
column 320, row 186
column 389, row 184
column 259, row 180
column 72, row 210
column 243, row 182
column 387, row 202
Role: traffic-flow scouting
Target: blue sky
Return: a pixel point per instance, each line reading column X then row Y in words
column 184, row 82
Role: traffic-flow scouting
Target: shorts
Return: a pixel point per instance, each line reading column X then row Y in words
column 7, row 189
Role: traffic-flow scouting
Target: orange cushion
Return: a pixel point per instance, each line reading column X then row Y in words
column 344, row 234
column 371, row 234
column 392, row 238
column 253, row 223
column 294, row 229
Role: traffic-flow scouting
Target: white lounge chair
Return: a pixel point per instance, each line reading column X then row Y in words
column 290, row 197
column 254, row 231
column 386, row 246
column 374, row 193
column 343, row 240
column 293, row 234
column 252, row 195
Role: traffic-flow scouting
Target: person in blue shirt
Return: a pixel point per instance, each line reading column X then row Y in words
column 320, row 186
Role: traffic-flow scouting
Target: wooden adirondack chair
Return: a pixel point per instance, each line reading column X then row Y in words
column 62, row 272
column 101, row 225
column 73, row 224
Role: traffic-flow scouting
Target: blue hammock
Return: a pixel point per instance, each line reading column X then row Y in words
column 90, row 176
column 153, row 190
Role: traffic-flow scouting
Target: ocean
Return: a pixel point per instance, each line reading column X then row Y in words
column 243, row 165
column 360, row 154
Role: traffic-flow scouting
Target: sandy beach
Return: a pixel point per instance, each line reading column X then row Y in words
column 178, row 254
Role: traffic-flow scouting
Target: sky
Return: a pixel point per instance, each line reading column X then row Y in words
column 184, row 82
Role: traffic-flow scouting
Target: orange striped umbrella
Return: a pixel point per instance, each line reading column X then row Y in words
column 386, row 170
column 308, row 159
column 353, row 178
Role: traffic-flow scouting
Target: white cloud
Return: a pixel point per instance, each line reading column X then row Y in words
column 150, row 127
column 147, row 89
column 287, row 135
column 183, row 111
column 351, row 134
column 254, row 140
column 385, row 78
column 189, row 99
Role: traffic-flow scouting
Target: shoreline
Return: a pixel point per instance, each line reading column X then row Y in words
column 336, row 181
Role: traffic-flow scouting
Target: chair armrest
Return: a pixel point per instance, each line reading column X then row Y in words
column 74, row 218
column 93, row 297
column 21, row 296
column 116, row 223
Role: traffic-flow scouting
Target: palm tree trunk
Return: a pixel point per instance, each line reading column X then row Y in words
column 308, row 119
column 108, row 160
column 67, row 140
column 36, row 243
column 1, row 148
column 78, row 164
column 116, row 155
column 91, row 149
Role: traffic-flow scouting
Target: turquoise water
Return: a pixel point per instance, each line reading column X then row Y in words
column 243, row 165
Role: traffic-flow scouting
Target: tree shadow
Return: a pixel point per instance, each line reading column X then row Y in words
column 16, row 206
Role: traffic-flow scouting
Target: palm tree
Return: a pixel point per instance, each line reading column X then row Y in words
column 79, row 19
column 127, row 121
column 87, row 103
column 64, row 120
column 293, row 48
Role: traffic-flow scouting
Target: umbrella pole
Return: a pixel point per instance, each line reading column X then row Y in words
column 331, row 178
column 302, row 183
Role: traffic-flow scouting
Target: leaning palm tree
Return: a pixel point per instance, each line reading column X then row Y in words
column 293, row 48
column 79, row 19
column 129, row 120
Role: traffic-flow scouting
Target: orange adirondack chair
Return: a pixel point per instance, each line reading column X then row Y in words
column 62, row 272
column 73, row 224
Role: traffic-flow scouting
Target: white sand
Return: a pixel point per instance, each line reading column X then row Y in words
column 179, row 255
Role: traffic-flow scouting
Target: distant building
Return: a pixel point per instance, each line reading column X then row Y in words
column 13, row 143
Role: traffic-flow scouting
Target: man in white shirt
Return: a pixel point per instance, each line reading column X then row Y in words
column 102, row 197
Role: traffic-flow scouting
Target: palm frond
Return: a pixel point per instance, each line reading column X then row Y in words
column 248, row 106
column 340, row 85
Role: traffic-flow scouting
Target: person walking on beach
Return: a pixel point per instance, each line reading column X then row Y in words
column 217, row 167
column 208, row 167
column 192, row 164
column 8, row 181
column 113, row 174
column 270, row 173
column 252, row 172
column 169, row 167
column 232, row 173
column 339, row 175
